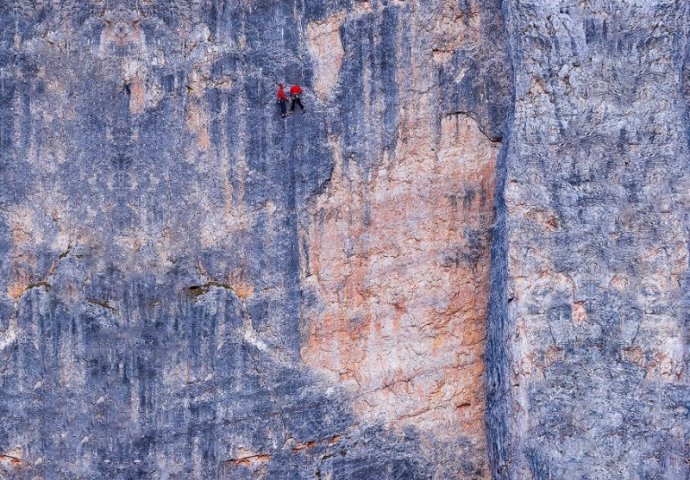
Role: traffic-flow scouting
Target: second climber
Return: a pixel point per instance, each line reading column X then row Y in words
column 296, row 93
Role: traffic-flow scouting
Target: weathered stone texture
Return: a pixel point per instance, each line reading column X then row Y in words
column 595, row 317
column 171, row 291
column 467, row 259
column 397, row 245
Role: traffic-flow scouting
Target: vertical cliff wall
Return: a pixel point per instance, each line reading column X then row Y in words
column 589, row 346
column 467, row 259
column 193, row 287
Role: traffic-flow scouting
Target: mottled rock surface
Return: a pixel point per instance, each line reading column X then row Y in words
column 193, row 287
column 468, row 258
column 588, row 347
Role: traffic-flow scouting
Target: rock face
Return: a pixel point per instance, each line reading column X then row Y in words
column 589, row 325
column 467, row 259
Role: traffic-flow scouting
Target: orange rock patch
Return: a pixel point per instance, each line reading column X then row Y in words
column 323, row 39
column 401, row 266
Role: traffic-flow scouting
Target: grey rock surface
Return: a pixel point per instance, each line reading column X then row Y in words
column 588, row 355
column 150, row 216
column 193, row 288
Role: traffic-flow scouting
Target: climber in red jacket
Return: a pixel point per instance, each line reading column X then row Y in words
column 295, row 93
column 282, row 100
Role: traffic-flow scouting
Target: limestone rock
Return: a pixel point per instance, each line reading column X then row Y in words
column 467, row 260
column 589, row 347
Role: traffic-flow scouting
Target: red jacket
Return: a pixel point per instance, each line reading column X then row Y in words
column 281, row 94
column 295, row 90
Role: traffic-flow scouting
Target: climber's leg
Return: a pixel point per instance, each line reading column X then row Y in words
column 299, row 102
